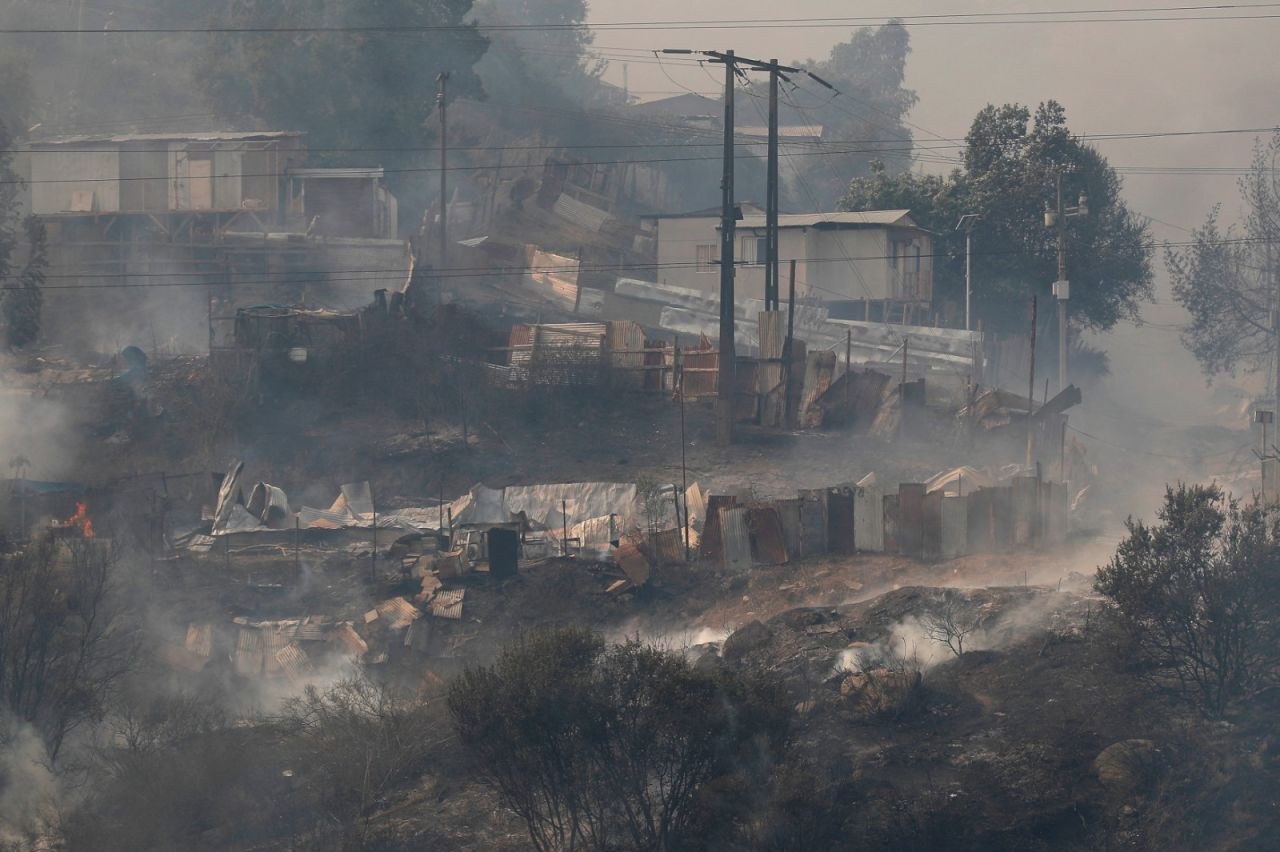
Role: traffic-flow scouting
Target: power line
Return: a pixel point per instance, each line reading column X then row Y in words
column 1066, row 16
column 469, row 272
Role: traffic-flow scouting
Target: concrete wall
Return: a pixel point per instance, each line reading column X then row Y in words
column 834, row 264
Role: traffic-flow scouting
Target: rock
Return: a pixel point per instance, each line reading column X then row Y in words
column 746, row 639
column 1127, row 767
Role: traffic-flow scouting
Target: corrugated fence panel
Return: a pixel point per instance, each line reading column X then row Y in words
column 868, row 520
column 955, row 526
column 735, row 533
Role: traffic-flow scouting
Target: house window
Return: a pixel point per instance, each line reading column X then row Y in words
column 754, row 250
column 708, row 257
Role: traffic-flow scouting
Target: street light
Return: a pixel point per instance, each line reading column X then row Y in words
column 967, row 221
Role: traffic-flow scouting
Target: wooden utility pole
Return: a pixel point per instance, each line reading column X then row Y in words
column 771, row 285
column 728, row 231
column 442, row 80
column 728, row 222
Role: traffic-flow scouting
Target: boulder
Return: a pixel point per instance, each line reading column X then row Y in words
column 1127, row 768
column 746, row 639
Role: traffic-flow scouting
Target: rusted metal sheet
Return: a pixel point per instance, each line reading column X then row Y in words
column 1054, row 513
column 766, row 534
column 931, row 525
column 890, row 523
column 911, row 518
column 1026, row 510
column 248, row 659
column 813, row 522
column 840, row 525
column 789, row 513
column 447, row 603
column 868, row 519
column 293, row 661
column 955, row 526
column 699, row 370
column 200, row 639
column 711, row 547
column 625, row 342
column 1002, row 518
column 667, row 546
column 633, row 563
column 735, row 533
column 772, row 325
column 819, row 369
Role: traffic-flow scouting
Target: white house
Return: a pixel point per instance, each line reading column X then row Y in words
column 862, row 265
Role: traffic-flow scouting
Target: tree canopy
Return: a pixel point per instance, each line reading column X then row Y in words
column 1008, row 174
column 1227, row 278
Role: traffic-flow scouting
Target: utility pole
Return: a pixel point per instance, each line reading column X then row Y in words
column 1056, row 218
column 728, row 232
column 728, row 222
column 967, row 221
column 771, row 287
column 442, row 80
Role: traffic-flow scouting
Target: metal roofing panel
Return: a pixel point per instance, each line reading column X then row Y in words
column 447, row 603
column 899, row 218
column 338, row 173
column 293, row 661
column 209, row 136
column 398, row 613
column 735, row 534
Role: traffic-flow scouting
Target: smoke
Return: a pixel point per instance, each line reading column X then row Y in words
column 28, row 787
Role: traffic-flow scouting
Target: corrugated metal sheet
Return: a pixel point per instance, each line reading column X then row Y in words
column 931, row 525
column 199, row 639
column 447, row 603
column 293, row 661
column 625, row 342
column 248, row 660
column 813, row 522
column 1026, row 510
column 955, row 526
column 840, row 524
column 910, row 518
column 766, row 533
column 712, row 546
column 868, row 519
column 580, row 214
column 735, row 532
column 398, row 613
column 898, row 218
column 633, row 563
column 345, row 636
column 789, row 513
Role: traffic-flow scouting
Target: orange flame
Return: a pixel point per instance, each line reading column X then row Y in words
column 81, row 519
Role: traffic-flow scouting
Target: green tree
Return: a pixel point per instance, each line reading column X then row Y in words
column 613, row 747
column 1200, row 594
column 1009, row 173
column 1229, row 279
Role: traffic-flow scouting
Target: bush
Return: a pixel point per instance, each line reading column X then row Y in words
column 600, row 747
column 1200, row 594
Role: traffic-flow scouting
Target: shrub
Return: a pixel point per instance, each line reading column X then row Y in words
column 1200, row 594
column 599, row 747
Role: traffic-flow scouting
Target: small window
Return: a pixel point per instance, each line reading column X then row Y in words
column 708, row 257
column 754, row 251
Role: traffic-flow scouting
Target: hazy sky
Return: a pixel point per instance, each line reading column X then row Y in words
column 1111, row 77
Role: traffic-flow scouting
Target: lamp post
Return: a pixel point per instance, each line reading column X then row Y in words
column 1056, row 219
column 967, row 221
